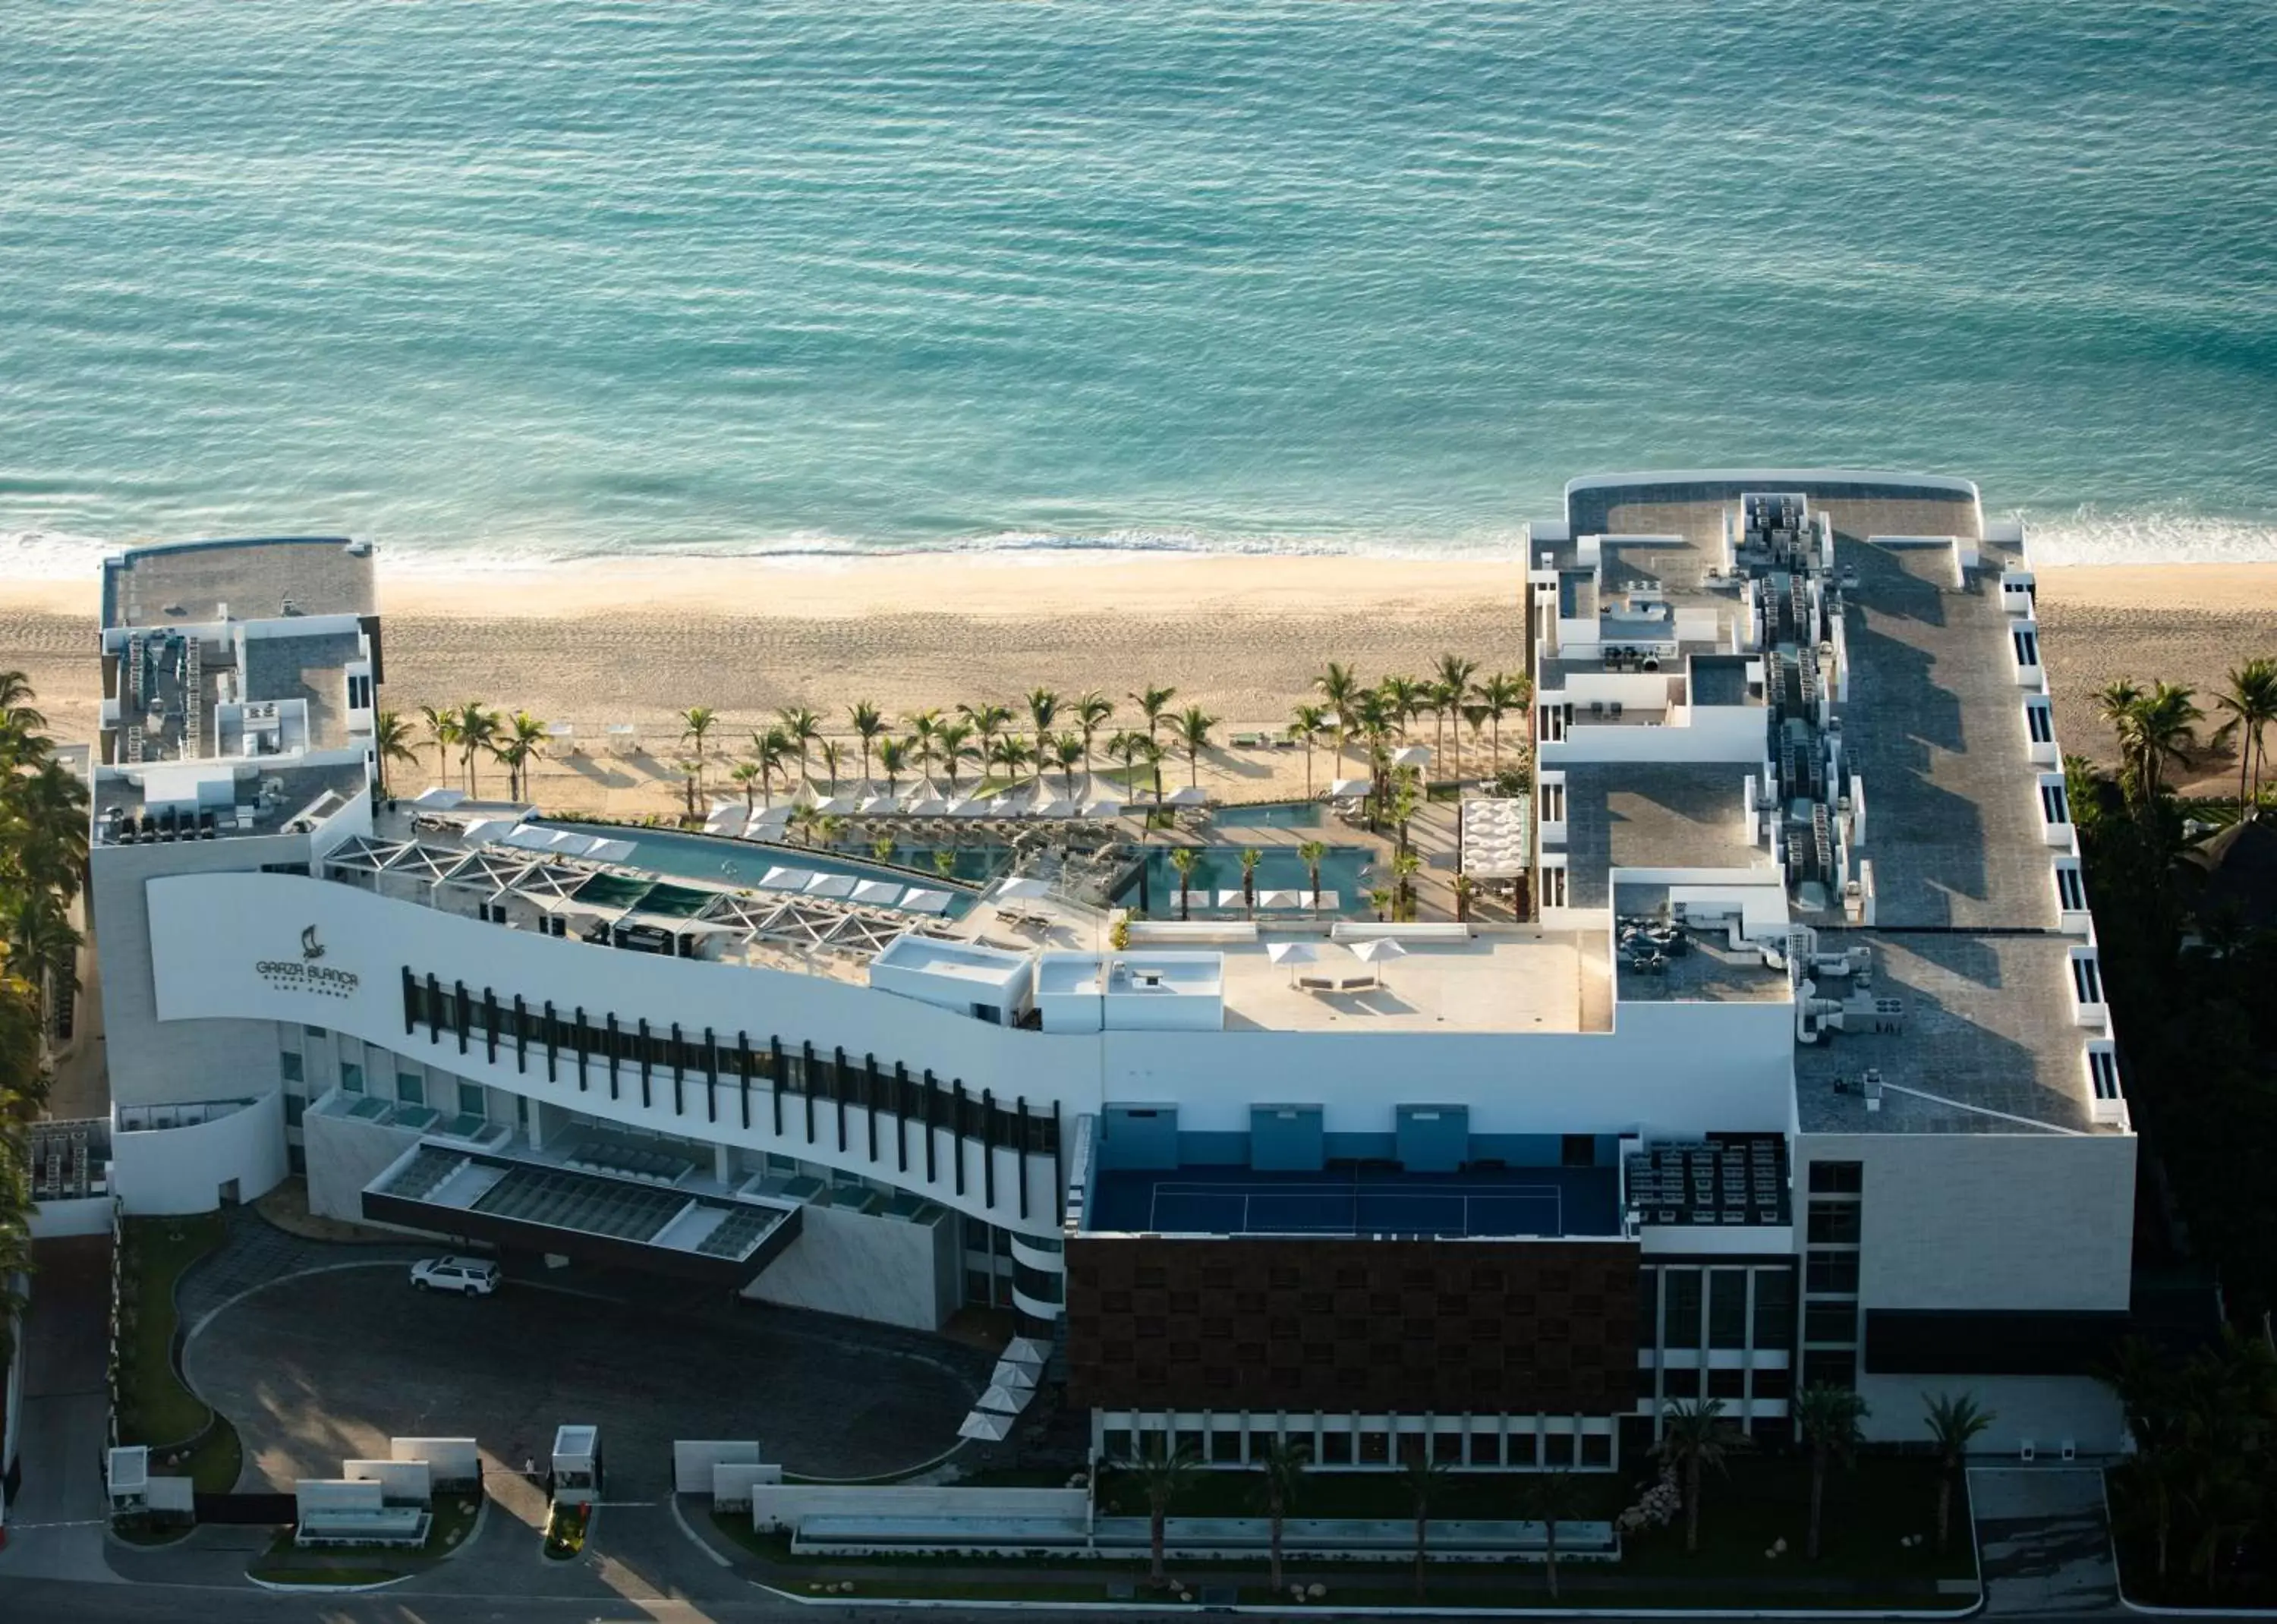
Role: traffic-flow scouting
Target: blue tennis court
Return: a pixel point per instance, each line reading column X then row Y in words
column 1517, row 1201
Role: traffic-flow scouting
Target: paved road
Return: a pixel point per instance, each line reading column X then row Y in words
column 55, row 1526
column 321, row 1366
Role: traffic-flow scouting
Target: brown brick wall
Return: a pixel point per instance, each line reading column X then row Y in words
column 1352, row 1324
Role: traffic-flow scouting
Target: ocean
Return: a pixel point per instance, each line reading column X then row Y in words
column 527, row 279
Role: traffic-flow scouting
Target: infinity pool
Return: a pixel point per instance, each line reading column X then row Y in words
column 1271, row 815
column 1346, row 869
column 740, row 862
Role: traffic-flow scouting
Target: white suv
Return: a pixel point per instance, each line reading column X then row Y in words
column 470, row 1277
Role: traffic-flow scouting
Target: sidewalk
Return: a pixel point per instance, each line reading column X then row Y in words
column 2045, row 1538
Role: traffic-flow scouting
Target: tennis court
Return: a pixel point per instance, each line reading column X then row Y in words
column 1524, row 1201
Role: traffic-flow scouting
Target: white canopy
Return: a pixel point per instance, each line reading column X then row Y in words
column 1280, row 898
column 917, row 900
column 724, row 821
column 1056, row 807
column 965, row 806
column 830, row 886
column 883, row 893
column 1231, row 899
column 1004, row 1401
column 1103, row 808
column 833, row 805
column 1191, row 796
column 987, row 1427
column 1291, row 952
column 873, row 804
column 1021, row 885
column 1412, row 756
column 438, row 798
column 1376, row 949
column 781, row 878
column 609, row 851
column 483, row 831
column 1013, row 1376
column 1028, row 1350
column 929, row 806
column 1350, row 789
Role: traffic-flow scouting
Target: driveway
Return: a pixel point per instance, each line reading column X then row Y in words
column 317, row 1366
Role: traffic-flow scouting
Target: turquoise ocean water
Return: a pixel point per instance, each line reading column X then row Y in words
column 538, row 277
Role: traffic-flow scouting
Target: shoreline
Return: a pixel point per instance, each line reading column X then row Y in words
column 634, row 640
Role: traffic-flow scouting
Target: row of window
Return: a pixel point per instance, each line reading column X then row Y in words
column 1336, row 1446
column 633, row 1053
column 1689, row 1305
column 410, row 1087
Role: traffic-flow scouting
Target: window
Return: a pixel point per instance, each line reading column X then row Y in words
column 313, row 1031
column 1578, row 1150
column 351, row 1077
column 1727, row 1384
column 2086, row 979
column 2028, row 646
column 2041, row 723
column 1834, row 1273
column 1114, row 1443
column 1553, row 885
column 410, row 1089
column 2103, row 1073
column 1336, row 1449
column 1774, row 1308
column 1833, row 1223
column 1837, row 1178
column 1557, row 1449
column 1774, row 1384
column 1485, row 1449
column 1830, row 1321
column 1680, row 1386
column 1648, row 1307
column 2071, row 894
column 296, row 1105
column 1596, row 1449
column 1682, row 1312
column 289, row 1065
column 1727, row 1308
column 2053, row 808
column 474, row 1099
column 1831, row 1368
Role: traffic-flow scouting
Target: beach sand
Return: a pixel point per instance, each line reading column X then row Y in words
column 633, row 642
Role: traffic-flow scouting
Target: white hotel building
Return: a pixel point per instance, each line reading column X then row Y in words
column 1802, row 1073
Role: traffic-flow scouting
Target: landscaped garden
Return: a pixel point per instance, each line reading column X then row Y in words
column 154, row 1407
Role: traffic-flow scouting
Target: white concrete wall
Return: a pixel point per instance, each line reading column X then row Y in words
column 175, row 1496
column 862, row 1265
column 317, row 1494
column 453, row 1462
column 2046, row 1410
column 169, row 1170
column 344, row 1155
column 693, row 1458
column 731, row 1484
column 88, row 1216
column 186, row 1057
column 780, row 1505
column 402, row 1482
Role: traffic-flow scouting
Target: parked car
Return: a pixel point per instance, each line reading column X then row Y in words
column 469, row 1277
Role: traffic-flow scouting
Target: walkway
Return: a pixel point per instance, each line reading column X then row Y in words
column 56, row 1526
column 2045, row 1540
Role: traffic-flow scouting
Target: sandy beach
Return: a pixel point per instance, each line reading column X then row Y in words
column 633, row 642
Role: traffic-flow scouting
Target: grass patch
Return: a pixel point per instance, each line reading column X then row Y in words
column 1868, row 1509
column 154, row 1407
column 454, row 1516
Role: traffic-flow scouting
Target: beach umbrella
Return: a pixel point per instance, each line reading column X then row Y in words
column 1292, row 953
column 1103, row 808
column 609, row 851
column 881, row 893
column 1028, row 1350
column 1231, row 899
column 1004, row 1401
column 1279, row 899
column 830, row 886
column 1013, row 1376
column 1191, row 795
column 1377, row 949
column 987, row 1427
column 438, row 798
column 1410, row 755
column 920, row 900
column 1021, row 885
column 781, row 878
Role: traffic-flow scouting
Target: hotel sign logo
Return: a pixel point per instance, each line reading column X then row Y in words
column 308, row 973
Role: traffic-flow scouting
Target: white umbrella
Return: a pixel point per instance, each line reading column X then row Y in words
column 964, row 806
column 1103, row 808
column 1291, row 952
column 781, row 878
column 830, row 886
column 1023, row 885
column 876, row 804
column 1013, row 1376
column 922, row 901
column 1004, row 1401
column 988, row 1428
column 929, row 806
column 1410, row 755
column 1280, row 898
column 1191, row 796
column 1350, row 789
column 438, row 798
column 1231, row 899
column 883, row 893
column 609, row 851
column 1376, row 949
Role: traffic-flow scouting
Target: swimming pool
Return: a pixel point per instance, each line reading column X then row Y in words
column 1346, row 869
column 1271, row 815
column 740, row 862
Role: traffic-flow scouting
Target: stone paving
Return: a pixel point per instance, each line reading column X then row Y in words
column 2045, row 1540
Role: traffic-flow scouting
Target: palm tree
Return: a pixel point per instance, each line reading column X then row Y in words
column 747, row 774
column 523, row 743
column 18, row 716
column 696, row 725
column 1425, row 1479
column 950, row 740
column 1151, row 703
column 691, row 774
column 882, row 848
column 1192, row 728
column 1955, row 1423
column 442, row 732
column 1182, row 859
column 1012, row 755
column 1372, row 715
column 1305, row 726
column 1549, row 1498
column 1126, row 745
column 803, row 728
column 869, row 722
column 391, row 741
column 1452, row 679
column 1094, row 711
column 1282, row 1477
column 1827, row 1416
column 987, row 719
column 1068, row 749
column 832, row 753
column 1403, row 700
column 1250, row 858
column 2250, row 701
column 478, row 731
column 1339, row 687
column 924, row 734
column 1465, row 890
column 1043, row 709
column 1310, row 854
column 1501, row 694
column 1151, row 755
column 2162, row 729
column 769, row 750
column 1694, row 1435
column 1161, row 1477
column 1404, row 866
column 893, row 756
column 944, row 862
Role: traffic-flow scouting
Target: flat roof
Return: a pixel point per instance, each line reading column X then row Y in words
column 1653, row 815
column 1508, row 979
column 256, row 578
column 1544, row 1201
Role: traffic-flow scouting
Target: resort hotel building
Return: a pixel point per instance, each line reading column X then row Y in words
column 1791, row 1066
